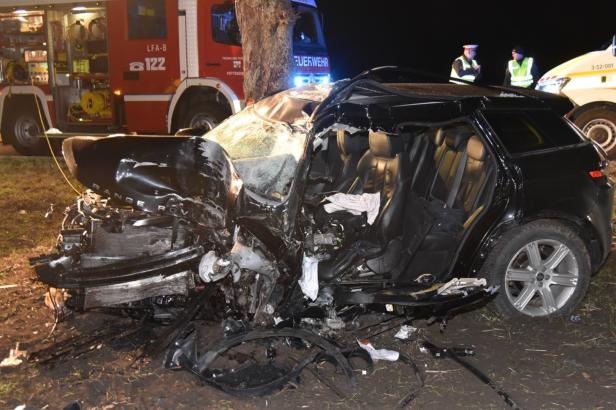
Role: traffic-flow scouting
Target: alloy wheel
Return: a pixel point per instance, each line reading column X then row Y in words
column 541, row 277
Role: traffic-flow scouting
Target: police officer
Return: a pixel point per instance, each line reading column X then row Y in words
column 465, row 66
column 521, row 70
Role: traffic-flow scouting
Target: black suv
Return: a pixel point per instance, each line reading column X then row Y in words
column 374, row 193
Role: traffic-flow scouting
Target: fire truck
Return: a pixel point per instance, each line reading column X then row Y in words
column 145, row 66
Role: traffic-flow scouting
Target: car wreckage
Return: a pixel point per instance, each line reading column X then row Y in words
column 319, row 203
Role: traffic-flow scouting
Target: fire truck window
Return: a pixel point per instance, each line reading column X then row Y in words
column 305, row 31
column 224, row 25
column 23, row 50
column 146, row 19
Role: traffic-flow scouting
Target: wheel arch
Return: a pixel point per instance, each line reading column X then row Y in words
column 582, row 227
column 16, row 98
column 210, row 89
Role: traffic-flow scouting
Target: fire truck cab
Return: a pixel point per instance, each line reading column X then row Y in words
column 145, row 66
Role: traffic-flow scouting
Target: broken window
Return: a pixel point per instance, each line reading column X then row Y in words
column 264, row 153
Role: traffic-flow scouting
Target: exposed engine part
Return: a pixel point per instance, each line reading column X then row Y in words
column 253, row 276
column 327, row 239
column 72, row 241
column 212, row 268
column 109, row 257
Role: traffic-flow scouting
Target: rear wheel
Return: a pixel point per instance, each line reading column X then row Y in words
column 542, row 268
column 25, row 132
column 599, row 124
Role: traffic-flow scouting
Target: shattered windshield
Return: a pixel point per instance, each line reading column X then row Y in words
column 265, row 153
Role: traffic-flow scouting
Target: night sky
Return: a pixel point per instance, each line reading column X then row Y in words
column 429, row 34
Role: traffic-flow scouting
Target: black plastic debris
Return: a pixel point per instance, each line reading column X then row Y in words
column 455, row 354
column 241, row 382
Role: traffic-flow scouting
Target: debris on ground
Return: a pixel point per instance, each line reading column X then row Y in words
column 455, row 353
column 378, row 354
column 15, row 357
column 405, row 332
column 55, row 301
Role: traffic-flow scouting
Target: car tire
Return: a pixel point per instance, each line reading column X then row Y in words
column 23, row 131
column 599, row 124
column 202, row 115
column 542, row 269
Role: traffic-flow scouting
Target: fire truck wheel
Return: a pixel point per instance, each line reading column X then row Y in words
column 25, row 133
column 203, row 116
column 599, row 124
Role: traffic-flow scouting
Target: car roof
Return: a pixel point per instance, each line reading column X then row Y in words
column 462, row 98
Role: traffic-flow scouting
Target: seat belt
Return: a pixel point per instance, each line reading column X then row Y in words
column 457, row 181
column 420, row 164
column 438, row 166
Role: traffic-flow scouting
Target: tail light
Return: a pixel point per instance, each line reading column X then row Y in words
column 596, row 174
column 600, row 176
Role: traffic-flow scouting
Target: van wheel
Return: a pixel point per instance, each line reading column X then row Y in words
column 25, row 132
column 542, row 268
column 599, row 124
column 203, row 116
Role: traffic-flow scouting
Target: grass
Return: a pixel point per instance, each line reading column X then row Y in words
column 29, row 186
column 6, row 388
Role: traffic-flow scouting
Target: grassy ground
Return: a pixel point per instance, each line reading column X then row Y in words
column 29, row 186
column 554, row 364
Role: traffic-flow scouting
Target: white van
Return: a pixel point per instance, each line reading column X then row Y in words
column 590, row 82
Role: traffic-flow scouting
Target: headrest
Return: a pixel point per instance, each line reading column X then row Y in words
column 384, row 145
column 475, row 148
column 439, row 137
column 351, row 144
column 455, row 139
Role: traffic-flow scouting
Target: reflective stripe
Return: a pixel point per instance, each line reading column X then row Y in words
column 521, row 73
column 465, row 66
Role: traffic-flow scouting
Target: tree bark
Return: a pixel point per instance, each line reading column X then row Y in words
column 266, row 29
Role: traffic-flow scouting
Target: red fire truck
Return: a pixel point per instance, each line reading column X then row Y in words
column 146, row 66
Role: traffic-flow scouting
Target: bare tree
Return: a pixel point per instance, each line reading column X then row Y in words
column 266, row 31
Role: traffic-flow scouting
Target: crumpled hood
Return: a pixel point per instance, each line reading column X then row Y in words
column 188, row 176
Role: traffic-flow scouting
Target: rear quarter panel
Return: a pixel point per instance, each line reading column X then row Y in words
column 557, row 184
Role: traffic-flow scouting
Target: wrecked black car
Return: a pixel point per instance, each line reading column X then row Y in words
column 408, row 198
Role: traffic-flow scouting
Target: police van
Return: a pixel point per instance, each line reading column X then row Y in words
column 590, row 82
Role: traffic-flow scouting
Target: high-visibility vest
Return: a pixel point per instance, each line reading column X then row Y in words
column 521, row 73
column 465, row 66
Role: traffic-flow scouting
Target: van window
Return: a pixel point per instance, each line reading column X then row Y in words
column 528, row 131
column 225, row 29
column 147, row 19
column 305, row 29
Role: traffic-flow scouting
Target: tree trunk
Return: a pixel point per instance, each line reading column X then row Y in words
column 266, row 31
